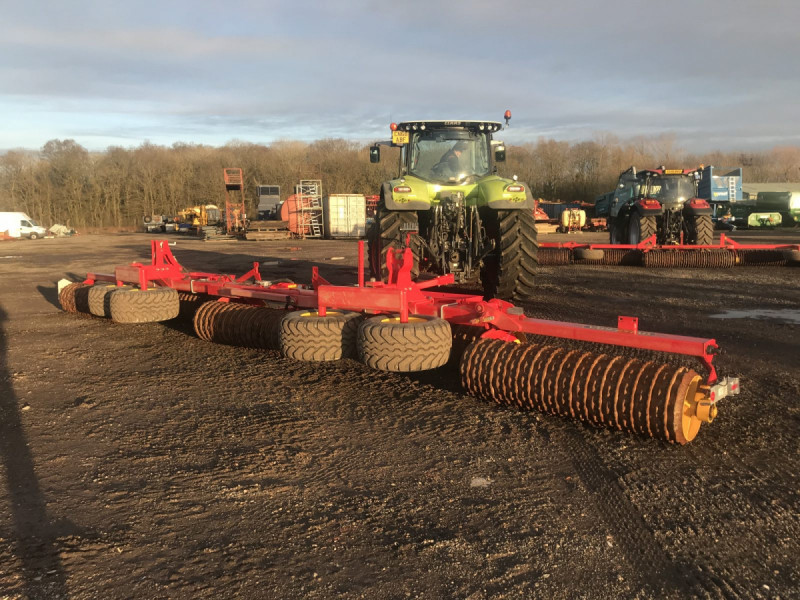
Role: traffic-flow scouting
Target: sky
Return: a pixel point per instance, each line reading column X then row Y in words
column 715, row 74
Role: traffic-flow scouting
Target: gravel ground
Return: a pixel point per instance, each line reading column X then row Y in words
column 139, row 461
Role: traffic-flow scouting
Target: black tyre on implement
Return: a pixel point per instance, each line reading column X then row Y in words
column 386, row 344
column 144, row 306
column 389, row 231
column 509, row 271
column 304, row 335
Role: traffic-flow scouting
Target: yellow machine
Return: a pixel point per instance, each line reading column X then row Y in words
column 199, row 216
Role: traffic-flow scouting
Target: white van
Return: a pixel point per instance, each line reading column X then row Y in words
column 18, row 224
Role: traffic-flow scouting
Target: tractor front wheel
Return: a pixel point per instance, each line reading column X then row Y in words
column 386, row 344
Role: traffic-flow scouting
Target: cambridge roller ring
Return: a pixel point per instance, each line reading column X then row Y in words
column 659, row 400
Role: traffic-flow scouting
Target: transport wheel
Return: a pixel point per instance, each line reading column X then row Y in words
column 304, row 335
column 508, row 272
column 34, row 236
column 792, row 257
column 100, row 298
column 386, row 344
column 588, row 254
column 74, row 298
column 701, row 230
column 640, row 228
column 389, row 231
column 144, row 306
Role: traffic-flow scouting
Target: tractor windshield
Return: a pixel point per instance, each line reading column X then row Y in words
column 669, row 189
column 449, row 155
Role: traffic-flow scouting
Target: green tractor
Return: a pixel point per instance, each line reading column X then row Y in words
column 454, row 211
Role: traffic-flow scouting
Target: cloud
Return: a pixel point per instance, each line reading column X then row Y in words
column 715, row 72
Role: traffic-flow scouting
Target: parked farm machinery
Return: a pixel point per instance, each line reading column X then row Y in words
column 401, row 325
column 726, row 254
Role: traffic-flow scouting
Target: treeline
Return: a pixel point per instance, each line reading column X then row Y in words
column 65, row 183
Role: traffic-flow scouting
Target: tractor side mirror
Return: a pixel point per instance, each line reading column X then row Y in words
column 375, row 154
column 500, row 154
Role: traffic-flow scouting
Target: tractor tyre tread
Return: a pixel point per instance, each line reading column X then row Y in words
column 387, row 232
column 701, row 230
column 510, row 270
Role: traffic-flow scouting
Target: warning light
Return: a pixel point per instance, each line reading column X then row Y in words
column 393, row 126
column 507, row 116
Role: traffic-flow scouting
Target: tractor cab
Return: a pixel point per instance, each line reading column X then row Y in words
column 445, row 152
column 671, row 187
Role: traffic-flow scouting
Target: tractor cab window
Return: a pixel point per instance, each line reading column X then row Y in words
column 449, row 156
column 670, row 189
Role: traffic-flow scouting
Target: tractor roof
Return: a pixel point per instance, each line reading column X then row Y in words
column 663, row 171
column 433, row 124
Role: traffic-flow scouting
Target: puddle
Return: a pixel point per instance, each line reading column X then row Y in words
column 785, row 315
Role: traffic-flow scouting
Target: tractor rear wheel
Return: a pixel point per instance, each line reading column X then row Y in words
column 701, row 230
column 617, row 230
column 509, row 271
column 389, row 231
column 144, row 306
column 640, row 228
column 304, row 335
column 386, row 344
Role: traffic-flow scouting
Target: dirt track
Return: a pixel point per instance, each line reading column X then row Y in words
column 140, row 461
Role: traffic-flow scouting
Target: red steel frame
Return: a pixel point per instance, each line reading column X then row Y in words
column 399, row 295
column 234, row 181
column 725, row 243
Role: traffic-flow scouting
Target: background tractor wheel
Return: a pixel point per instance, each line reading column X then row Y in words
column 304, row 335
column 144, row 306
column 640, row 228
column 386, row 344
column 74, row 298
column 508, row 272
column 100, row 299
column 617, row 230
column 389, row 231
column 701, row 230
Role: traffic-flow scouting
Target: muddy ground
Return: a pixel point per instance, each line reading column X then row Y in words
column 142, row 462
